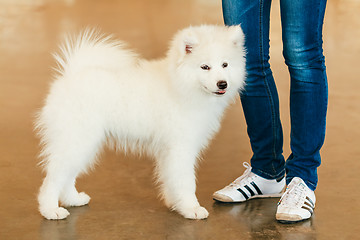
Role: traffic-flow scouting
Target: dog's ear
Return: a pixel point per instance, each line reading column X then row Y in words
column 189, row 42
column 237, row 35
column 188, row 47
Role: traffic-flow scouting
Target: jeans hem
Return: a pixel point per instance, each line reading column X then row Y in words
column 267, row 175
column 310, row 185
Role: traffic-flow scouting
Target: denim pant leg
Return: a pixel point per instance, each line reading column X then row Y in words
column 260, row 98
column 302, row 22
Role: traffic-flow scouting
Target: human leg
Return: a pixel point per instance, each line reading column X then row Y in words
column 302, row 23
column 260, row 99
column 260, row 104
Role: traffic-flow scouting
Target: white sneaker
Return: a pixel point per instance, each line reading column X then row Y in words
column 297, row 203
column 249, row 186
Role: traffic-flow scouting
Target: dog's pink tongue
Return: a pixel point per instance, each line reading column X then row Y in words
column 221, row 92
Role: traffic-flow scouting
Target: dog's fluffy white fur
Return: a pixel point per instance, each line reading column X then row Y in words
column 168, row 108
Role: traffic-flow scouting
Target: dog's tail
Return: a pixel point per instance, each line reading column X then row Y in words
column 93, row 49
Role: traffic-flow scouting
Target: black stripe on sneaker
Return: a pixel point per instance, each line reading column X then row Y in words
column 249, row 189
column 311, row 202
column 243, row 193
column 308, row 208
column 308, row 204
column 256, row 188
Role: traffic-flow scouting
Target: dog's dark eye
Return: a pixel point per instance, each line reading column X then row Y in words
column 225, row 64
column 205, row 67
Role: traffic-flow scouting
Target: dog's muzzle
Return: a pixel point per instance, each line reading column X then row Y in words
column 222, row 85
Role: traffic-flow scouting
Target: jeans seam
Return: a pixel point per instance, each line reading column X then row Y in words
column 318, row 21
column 266, row 82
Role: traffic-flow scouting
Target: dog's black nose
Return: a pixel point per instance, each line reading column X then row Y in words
column 222, row 84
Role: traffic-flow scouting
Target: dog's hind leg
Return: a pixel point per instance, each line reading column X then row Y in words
column 176, row 172
column 70, row 197
column 49, row 197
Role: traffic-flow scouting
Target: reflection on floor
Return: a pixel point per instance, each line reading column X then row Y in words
column 124, row 201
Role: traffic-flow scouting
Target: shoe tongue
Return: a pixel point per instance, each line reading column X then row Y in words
column 297, row 181
column 243, row 177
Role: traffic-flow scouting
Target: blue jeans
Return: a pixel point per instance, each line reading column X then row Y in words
column 302, row 22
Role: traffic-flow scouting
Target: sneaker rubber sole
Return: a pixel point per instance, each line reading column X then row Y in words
column 222, row 198
column 289, row 218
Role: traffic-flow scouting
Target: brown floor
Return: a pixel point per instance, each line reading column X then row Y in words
column 124, row 201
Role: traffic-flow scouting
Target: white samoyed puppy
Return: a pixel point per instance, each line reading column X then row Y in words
column 167, row 108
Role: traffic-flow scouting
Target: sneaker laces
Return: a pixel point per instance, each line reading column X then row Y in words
column 293, row 195
column 237, row 182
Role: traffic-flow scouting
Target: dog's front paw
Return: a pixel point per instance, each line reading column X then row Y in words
column 55, row 213
column 197, row 212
